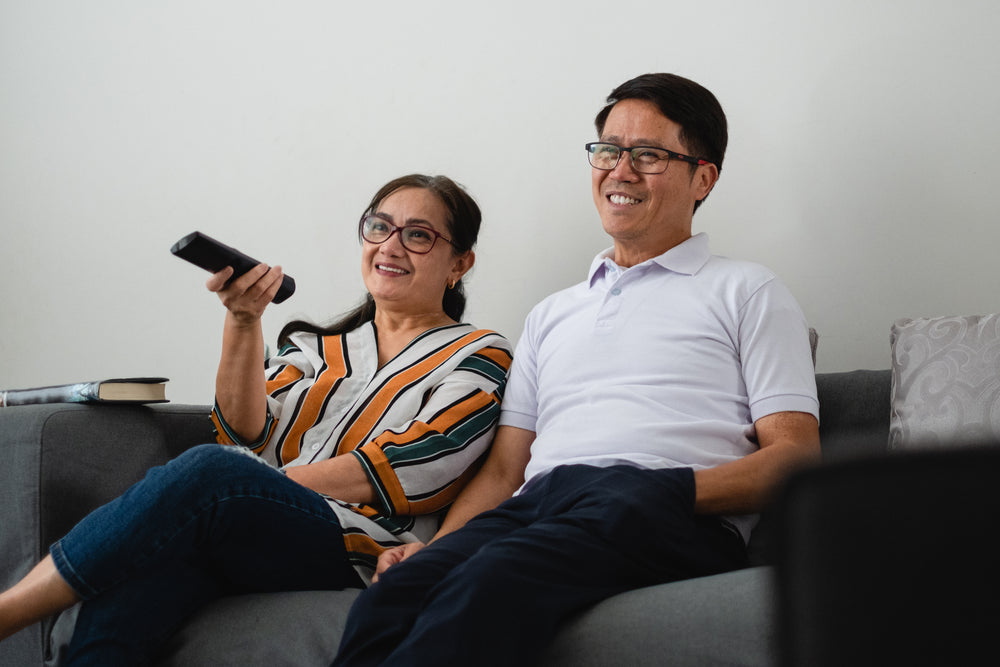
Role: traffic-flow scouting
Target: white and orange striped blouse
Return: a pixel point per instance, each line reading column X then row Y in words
column 418, row 425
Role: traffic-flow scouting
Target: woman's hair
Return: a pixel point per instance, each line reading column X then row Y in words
column 464, row 219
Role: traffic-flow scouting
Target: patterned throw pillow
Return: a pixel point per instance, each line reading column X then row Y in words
column 945, row 382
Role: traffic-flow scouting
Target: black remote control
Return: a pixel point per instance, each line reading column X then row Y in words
column 211, row 255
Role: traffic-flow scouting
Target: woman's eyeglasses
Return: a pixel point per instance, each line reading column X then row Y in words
column 414, row 238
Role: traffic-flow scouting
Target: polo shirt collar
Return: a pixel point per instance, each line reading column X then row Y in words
column 686, row 258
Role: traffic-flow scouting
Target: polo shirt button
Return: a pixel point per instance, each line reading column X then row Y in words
column 615, row 291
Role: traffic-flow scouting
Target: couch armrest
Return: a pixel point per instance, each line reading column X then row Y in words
column 854, row 413
column 60, row 461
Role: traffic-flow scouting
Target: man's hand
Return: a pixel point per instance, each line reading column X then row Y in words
column 395, row 555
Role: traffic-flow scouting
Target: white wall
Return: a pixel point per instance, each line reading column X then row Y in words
column 861, row 164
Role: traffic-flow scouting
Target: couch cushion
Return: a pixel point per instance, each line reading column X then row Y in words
column 725, row 619
column 678, row 623
column 293, row 629
column 945, row 381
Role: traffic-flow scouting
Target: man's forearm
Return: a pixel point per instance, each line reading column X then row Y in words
column 788, row 442
column 481, row 495
column 499, row 478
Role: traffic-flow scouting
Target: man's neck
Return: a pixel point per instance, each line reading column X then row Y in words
column 627, row 255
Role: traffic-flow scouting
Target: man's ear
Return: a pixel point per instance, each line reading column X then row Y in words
column 705, row 177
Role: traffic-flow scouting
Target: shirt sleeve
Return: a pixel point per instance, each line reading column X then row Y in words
column 420, row 467
column 775, row 353
column 520, row 406
column 282, row 371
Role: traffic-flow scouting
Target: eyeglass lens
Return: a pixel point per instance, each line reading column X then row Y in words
column 644, row 160
column 415, row 239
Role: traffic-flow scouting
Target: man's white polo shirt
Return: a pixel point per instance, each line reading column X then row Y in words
column 664, row 364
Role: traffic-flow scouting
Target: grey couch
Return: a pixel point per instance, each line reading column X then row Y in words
column 61, row 461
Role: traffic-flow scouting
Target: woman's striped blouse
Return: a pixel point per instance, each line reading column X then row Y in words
column 418, row 425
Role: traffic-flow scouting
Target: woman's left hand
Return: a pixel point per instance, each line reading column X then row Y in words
column 394, row 556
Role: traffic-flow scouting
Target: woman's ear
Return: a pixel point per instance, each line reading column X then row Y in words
column 462, row 265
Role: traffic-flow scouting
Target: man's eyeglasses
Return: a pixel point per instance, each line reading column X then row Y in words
column 645, row 159
column 414, row 238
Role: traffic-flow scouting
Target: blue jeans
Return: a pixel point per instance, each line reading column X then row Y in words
column 495, row 591
column 214, row 521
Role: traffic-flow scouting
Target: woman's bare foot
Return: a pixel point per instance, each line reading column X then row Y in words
column 41, row 593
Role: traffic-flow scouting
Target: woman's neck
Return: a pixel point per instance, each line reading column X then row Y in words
column 403, row 323
column 395, row 331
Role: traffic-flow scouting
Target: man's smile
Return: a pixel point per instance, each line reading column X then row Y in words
column 623, row 200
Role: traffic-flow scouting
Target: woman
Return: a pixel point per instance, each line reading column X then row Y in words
column 371, row 427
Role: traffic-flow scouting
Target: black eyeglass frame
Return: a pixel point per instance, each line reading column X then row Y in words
column 402, row 239
column 671, row 155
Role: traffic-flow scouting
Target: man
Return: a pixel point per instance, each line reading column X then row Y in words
column 650, row 411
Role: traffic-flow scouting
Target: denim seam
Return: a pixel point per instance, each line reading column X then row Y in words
column 69, row 573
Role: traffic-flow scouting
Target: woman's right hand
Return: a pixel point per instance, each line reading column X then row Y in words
column 240, row 390
column 247, row 296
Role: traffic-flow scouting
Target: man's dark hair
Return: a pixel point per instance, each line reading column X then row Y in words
column 692, row 106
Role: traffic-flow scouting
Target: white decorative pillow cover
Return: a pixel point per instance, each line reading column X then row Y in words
column 945, row 382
